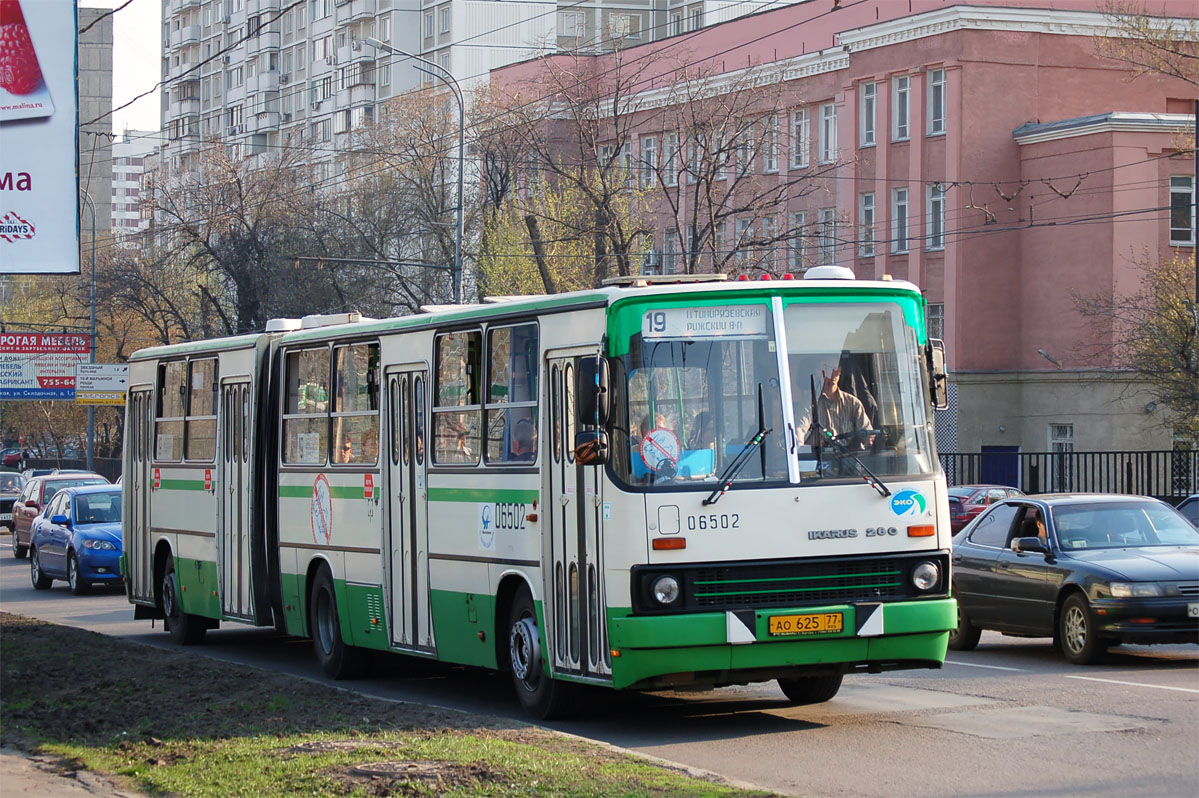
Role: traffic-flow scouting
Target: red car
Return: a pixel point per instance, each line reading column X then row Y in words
column 34, row 496
column 967, row 501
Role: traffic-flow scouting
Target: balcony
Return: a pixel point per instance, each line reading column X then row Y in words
column 183, row 68
column 258, row 6
column 189, row 34
column 355, row 10
column 189, row 106
column 362, row 94
column 264, row 120
column 263, row 81
column 265, row 41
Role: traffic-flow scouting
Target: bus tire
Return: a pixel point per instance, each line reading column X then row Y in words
column 185, row 629
column 540, row 696
column 337, row 659
column 966, row 636
column 802, row 690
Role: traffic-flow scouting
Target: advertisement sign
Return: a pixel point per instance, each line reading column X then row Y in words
column 39, row 193
column 101, row 383
column 40, row 365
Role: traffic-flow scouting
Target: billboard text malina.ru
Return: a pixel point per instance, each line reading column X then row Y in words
column 39, row 184
column 40, row 366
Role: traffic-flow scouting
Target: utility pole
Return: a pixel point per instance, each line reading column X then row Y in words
column 91, row 409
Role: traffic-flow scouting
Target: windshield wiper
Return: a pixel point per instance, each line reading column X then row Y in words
column 735, row 466
column 823, row 434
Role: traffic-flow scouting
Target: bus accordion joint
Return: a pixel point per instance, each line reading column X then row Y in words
column 666, row 544
column 922, row 531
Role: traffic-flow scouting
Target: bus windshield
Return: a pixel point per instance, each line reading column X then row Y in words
column 698, row 383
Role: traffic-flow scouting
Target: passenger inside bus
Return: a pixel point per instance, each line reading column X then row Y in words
column 524, row 441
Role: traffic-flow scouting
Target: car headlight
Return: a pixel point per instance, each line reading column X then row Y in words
column 1135, row 589
column 926, row 575
column 665, row 590
column 100, row 545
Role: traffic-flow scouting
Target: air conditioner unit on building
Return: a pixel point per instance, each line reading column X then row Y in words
column 331, row 59
column 234, row 130
column 228, row 59
column 287, row 116
column 226, row 19
column 285, row 78
column 355, row 44
column 316, row 105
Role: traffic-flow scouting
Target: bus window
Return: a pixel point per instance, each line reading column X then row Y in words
column 201, row 409
column 512, row 394
column 168, row 426
column 356, row 404
column 305, row 424
column 456, row 403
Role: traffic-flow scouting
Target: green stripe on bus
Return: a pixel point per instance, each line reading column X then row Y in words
column 181, row 484
column 791, row 578
column 483, row 495
column 707, row 594
column 336, row 491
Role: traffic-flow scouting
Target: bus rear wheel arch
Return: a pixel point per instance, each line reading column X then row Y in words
column 185, row 628
column 338, row 659
column 540, row 695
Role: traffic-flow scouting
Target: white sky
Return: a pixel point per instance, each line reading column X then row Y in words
column 136, row 61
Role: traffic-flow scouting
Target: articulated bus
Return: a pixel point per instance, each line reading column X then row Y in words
column 643, row 486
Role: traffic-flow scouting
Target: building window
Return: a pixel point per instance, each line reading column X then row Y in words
column 866, row 225
column 744, row 233
column 801, row 138
column 649, row 160
column 934, row 215
column 828, row 133
column 770, row 234
column 826, row 237
column 936, row 102
column 770, row 144
column 901, row 88
column 935, row 320
column 445, row 19
column 670, row 159
column 676, row 23
column 572, row 23
column 1182, row 204
column 899, row 220
column 1061, row 466
column 624, row 26
column 869, row 97
column 670, row 250
column 697, row 18
column 799, row 221
column 429, row 25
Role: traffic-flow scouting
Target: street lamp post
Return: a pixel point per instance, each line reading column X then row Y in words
column 445, row 77
column 91, row 409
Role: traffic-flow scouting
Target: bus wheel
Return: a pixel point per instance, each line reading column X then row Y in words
column 541, row 697
column 185, row 628
column 811, row 689
column 337, row 660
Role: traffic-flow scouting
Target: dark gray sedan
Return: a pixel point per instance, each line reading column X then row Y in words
column 1089, row 570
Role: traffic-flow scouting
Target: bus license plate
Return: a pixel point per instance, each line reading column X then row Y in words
column 811, row 623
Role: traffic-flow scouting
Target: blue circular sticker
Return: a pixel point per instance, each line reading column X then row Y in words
column 908, row 502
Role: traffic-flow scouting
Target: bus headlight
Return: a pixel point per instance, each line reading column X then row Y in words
column 666, row 590
column 926, row 575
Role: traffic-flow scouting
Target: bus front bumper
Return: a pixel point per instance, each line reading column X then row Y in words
column 720, row 648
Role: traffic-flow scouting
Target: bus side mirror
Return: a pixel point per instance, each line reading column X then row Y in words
column 591, row 447
column 593, row 398
column 938, row 380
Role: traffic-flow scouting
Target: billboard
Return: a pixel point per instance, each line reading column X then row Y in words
column 101, row 383
column 40, row 365
column 39, row 152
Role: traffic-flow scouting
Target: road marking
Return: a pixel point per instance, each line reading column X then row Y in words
column 1135, row 684
column 977, row 665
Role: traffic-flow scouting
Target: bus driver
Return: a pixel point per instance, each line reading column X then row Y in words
column 840, row 413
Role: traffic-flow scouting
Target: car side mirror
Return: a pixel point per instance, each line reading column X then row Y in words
column 591, row 447
column 60, row 520
column 593, row 400
column 938, row 379
column 1029, row 545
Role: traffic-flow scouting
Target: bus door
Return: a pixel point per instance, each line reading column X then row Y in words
column 574, row 586
column 407, row 529
column 233, row 500
column 139, row 478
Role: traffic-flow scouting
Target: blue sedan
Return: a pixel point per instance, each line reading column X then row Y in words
column 77, row 538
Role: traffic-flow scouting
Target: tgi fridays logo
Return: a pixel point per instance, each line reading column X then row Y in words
column 14, row 228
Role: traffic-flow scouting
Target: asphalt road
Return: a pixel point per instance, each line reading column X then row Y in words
column 1011, row 718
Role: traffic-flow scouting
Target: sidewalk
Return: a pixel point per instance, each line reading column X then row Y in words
column 31, row 774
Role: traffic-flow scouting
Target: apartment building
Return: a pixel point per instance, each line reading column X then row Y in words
column 95, row 124
column 129, row 158
column 981, row 150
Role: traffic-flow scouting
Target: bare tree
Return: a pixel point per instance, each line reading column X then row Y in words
column 1149, row 44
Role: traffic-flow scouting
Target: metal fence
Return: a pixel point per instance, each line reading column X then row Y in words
column 1169, row 475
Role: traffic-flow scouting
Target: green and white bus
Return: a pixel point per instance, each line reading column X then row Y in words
column 620, row 487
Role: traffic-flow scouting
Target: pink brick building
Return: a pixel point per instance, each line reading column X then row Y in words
column 983, row 151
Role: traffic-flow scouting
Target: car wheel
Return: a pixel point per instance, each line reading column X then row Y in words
column 78, row 586
column 965, row 637
column 337, row 659
column 802, row 690
column 39, row 579
column 18, row 550
column 540, row 696
column 185, row 628
column 1081, row 644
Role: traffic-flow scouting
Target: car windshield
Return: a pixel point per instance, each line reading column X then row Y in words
column 57, row 485
column 98, row 508
column 961, row 493
column 1121, row 524
column 10, row 483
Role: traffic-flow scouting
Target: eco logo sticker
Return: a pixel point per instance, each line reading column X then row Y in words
column 486, row 527
column 908, row 502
